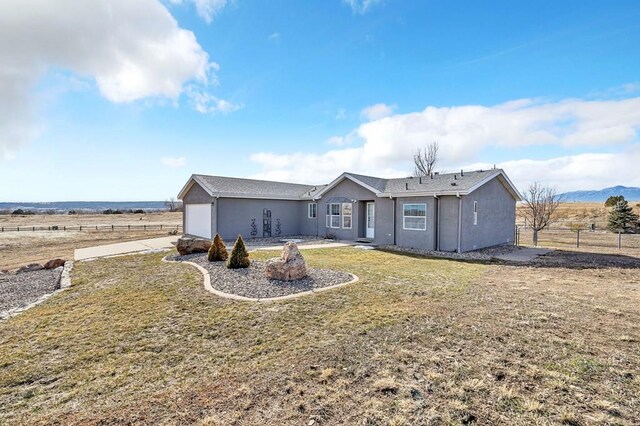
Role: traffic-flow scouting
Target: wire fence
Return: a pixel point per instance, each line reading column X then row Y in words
column 154, row 227
column 578, row 238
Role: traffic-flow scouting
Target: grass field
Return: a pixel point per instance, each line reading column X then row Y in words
column 415, row 341
column 569, row 215
column 21, row 248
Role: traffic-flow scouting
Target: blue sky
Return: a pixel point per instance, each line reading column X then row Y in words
column 109, row 101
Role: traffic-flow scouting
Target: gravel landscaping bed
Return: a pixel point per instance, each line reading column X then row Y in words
column 251, row 282
column 482, row 254
column 17, row 290
column 272, row 241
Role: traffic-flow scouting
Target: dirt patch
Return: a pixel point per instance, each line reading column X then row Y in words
column 581, row 260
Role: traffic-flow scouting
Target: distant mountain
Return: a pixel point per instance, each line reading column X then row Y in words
column 629, row 194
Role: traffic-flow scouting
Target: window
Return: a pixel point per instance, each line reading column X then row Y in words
column 414, row 217
column 312, row 210
column 346, row 215
column 333, row 215
column 475, row 212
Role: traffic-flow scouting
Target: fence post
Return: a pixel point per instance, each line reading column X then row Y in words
column 161, row 227
column 129, row 227
column 144, row 227
column 111, row 228
column 619, row 240
column 578, row 238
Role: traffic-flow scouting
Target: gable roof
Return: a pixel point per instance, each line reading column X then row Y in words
column 220, row 186
column 462, row 183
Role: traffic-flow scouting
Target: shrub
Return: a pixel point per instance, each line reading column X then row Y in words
column 18, row 211
column 138, row 211
column 239, row 256
column 72, row 212
column 218, row 250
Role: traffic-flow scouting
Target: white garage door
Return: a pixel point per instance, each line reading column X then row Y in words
column 198, row 220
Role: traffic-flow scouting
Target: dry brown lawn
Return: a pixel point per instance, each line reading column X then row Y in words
column 572, row 215
column 416, row 341
column 24, row 247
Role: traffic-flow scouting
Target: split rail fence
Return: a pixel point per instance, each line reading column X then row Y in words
column 578, row 238
column 155, row 227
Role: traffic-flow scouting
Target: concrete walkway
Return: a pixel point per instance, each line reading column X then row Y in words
column 526, row 254
column 127, row 247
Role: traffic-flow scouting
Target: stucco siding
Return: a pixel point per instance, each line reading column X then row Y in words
column 496, row 217
column 308, row 226
column 197, row 195
column 448, row 223
column 347, row 190
column 422, row 239
column 235, row 215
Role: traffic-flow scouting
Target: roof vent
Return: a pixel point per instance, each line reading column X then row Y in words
column 461, row 173
column 420, row 179
column 480, row 171
column 436, row 173
column 453, row 184
column 406, row 185
column 455, row 177
column 431, row 175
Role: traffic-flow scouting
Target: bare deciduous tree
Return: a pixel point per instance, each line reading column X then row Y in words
column 425, row 160
column 542, row 202
column 172, row 204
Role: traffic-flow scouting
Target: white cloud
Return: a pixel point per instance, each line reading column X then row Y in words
column 131, row 49
column 341, row 114
column 377, row 111
column 206, row 103
column 174, row 162
column 361, row 6
column 274, row 36
column 384, row 147
column 581, row 171
column 206, row 9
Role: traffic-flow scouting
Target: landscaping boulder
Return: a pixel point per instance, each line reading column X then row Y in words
column 54, row 263
column 189, row 245
column 30, row 268
column 289, row 266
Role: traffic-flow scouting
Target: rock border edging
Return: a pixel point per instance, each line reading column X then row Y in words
column 65, row 283
column 209, row 288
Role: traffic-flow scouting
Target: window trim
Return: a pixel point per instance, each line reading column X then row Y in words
column 475, row 212
column 404, row 216
column 314, row 207
column 350, row 215
column 330, row 216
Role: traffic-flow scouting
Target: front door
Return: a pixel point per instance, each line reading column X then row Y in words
column 371, row 214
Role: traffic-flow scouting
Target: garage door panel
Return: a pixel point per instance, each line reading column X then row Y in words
column 198, row 220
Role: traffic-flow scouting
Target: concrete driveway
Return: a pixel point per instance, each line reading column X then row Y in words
column 127, row 247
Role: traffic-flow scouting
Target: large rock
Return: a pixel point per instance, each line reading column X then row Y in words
column 289, row 266
column 188, row 245
column 30, row 268
column 54, row 263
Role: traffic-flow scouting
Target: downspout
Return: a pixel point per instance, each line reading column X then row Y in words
column 317, row 215
column 216, row 203
column 437, row 227
column 459, row 222
column 393, row 219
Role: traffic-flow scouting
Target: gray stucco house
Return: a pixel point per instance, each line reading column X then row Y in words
column 448, row 212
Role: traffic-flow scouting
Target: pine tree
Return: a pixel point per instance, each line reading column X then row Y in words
column 622, row 218
column 218, row 250
column 239, row 256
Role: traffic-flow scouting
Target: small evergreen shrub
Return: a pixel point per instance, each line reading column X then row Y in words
column 622, row 218
column 239, row 256
column 218, row 250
